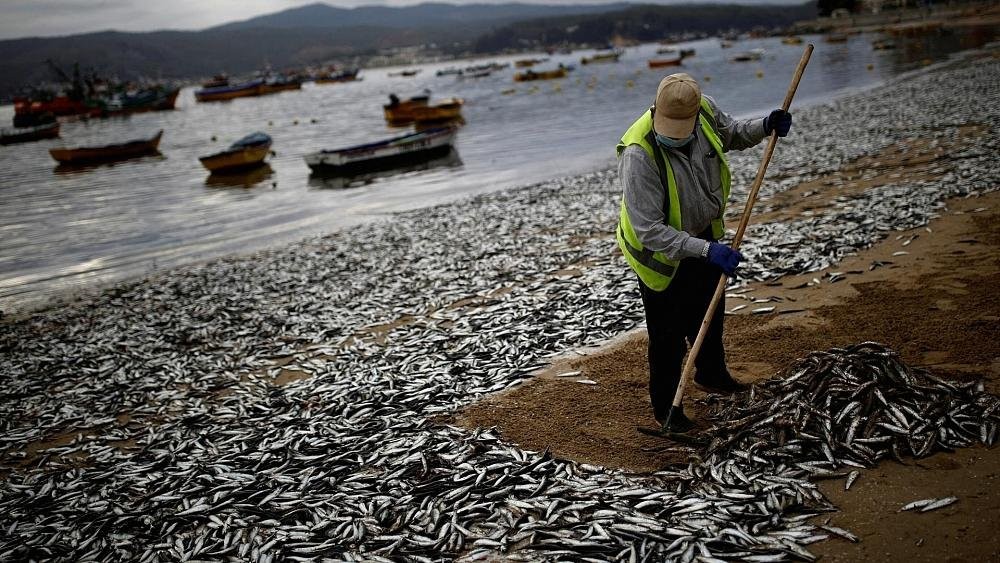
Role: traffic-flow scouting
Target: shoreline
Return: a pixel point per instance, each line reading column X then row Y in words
column 134, row 394
column 41, row 300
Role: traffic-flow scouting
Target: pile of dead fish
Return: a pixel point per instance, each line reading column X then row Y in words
column 162, row 434
column 851, row 408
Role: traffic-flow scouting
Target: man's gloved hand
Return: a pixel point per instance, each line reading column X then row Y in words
column 723, row 257
column 780, row 121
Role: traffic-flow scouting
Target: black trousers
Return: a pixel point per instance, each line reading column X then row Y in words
column 675, row 314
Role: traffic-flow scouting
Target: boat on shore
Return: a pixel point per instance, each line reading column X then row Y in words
column 29, row 134
column 449, row 159
column 658, row 63
column 107, row 153
column 400, row 112
column 230, row 91
column 248, row 152
column 386, row 154
column 529, row 75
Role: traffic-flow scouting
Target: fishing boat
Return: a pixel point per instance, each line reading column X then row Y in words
column 883, row 45
column 685, row 53
column 836, row 38
column 446, row 110
column 149, row 99
column 28, row 134
column 229, row 92
column 406, row 73
column 107, row 153
column 601, row 58
column 666, row 50
column 26, row 110
column 280, row 84
column 530, row 75
column 248, row 152
column 346, row 75
column 791, row 40
column 400, row 112
column 747, row 56
column 390, row 153
column 450, row 159
column 242, row 178
column 657, row 63
column 528, row 63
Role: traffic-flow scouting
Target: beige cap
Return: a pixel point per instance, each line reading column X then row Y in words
column 678, row 99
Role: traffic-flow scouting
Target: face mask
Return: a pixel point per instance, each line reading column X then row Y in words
column 673, row 143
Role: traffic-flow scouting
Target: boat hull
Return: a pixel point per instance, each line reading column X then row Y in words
column 545, row 75
column 29, row 134
column 658, row 63
column 229, row 92
column 109, row 153
column 388, row 154
column 235, row 160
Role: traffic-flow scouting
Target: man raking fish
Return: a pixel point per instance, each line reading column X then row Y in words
column 676, row 180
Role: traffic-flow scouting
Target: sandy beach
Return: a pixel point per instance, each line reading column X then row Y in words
column 391, row 391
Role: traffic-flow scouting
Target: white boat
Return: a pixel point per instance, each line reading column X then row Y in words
column 389, row 153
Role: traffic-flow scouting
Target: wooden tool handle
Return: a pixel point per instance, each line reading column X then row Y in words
column 744, row 221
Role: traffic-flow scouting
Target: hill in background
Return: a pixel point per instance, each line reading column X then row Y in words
column 318, row 33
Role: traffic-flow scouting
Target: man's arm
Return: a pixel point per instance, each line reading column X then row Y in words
column 737, row 134
column 644, row 202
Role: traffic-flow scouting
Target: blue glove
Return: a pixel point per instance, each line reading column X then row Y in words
column 780, row 121
column 723, row 257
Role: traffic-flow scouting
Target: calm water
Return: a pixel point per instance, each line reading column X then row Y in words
column 64, row 231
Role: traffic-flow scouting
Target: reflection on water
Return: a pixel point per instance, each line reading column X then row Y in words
column 67, row 169
column 241, row 179
column 81, row 226
column 323, row 181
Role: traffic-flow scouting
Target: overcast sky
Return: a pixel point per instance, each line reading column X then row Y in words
column 30, row 18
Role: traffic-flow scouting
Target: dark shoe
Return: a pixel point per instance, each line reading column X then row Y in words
column 679, row 423
column 721, row 384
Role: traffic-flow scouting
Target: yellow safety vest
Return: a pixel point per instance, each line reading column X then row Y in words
column 654, row 268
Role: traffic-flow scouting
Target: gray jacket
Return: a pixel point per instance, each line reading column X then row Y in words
column 699, row 186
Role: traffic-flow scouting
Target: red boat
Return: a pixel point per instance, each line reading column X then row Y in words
column 58, row 106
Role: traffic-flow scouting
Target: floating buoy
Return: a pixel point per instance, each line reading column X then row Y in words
column 314, row 120
column 708, row 79
column 214, row 138
column 871, row 66
column 270, row 123
column 509, row 91
column 296, row 122
column 629, row 84
column 760, row 74
column 557, row 88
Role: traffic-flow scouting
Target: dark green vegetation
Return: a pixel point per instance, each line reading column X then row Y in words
column 319, row 33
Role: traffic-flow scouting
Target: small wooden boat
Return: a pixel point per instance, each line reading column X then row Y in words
column 406, row 73
column 242, row 178
column 601, row 58
column 446, row 110
column 390, row 153
column 248, row 152
column 685, row 53
column 28, row 134
column 657, row 63
column 528, row 63
column 107, row 153
column 228, row 92
column 449, row 159
column 791, row 40
column 530, row 75
column 836, row 38
column 666, row 50
column 747, row 56
column 399, row 112
column 883, row 45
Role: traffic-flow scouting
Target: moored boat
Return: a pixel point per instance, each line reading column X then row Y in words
column 389, row 153
column 791, row 40
column 400, row 112
column 530, row 75
column 107, row 153
column 836, row 38
column 528, row 63
column 150, row 99
column 657, row 63
column 229, row 92
column 346, row 75
column 28, row 134
column 747, row 56
column 26, row 110
column 883, row 44
column 445, row 110
column 248, row 152
column 601, row 58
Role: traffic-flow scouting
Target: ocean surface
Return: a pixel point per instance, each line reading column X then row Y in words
column 62, row 231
